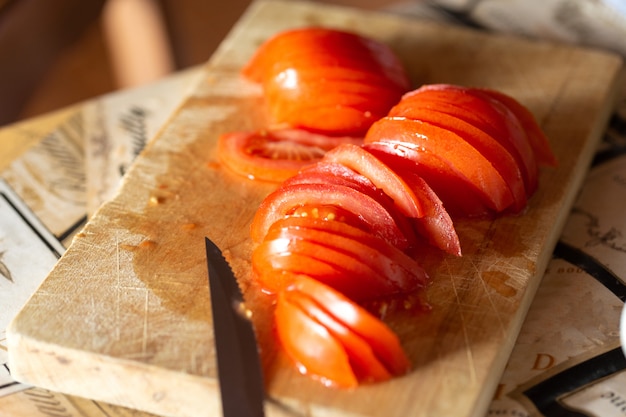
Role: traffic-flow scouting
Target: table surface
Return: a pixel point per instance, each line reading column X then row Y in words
column 16, row 140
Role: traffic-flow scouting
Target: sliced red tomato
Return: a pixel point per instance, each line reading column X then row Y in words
column 366, row 366
column 538, row 140
column 327, row 80
column 449, row 148
column 288, row 198
column 356, row 234
column 400, row 273
column 326, row 105
column 359, row 271
column 487, row 115
column 459, row 194
column 275, row 271
column 334, row 173
column 383, row 341
column 274, row 155
column 336, row 269
column 435, row 224
column 383, row 177
column 336, row 46
column 311, row 346
column 490, row 148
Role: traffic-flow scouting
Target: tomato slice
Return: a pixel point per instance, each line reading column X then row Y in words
column 365, row 365
column 353, row 268
column 450, row 148
column 436, row 225
column 324, row 105
column 288, row 198
column 538, row 140
column 487, row 115
column 275, row 271
column 311, row 346
column 383, row 177
column 383, row 341
column 355, row 234
column 274, row 155
column 338, row 270
column 325, row 172
column 490, row 148
column 400, row 273
column 460, row 196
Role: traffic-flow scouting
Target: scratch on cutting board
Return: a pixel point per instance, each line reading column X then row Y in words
column 470, row 356
column 118, row 334
column 144, row 336
column 4, row 270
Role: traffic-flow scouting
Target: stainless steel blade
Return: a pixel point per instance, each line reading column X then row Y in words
column 238, row 362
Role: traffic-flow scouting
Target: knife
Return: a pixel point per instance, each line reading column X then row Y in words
column 238, row 363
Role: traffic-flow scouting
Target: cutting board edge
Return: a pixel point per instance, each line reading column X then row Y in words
column 148, row 392
column 614, row 90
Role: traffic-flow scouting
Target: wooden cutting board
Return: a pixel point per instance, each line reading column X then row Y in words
column 124, row 317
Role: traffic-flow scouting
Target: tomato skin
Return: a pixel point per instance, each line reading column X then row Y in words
column 336, row 269
column 333, row 339
column 436, row 225
column 451, row 150
column 332, row 173
column 489, row 147
column 479, row 110
column 460, row 197
column 538, row 140
column 327, row 80
column 275, row 271
column 363, row 237
column 331, row 46
column 383, row 177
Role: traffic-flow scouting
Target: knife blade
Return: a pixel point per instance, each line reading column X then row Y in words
column 238, row 363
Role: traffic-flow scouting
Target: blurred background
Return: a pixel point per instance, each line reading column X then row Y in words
column 54, row 53
column 60, row 52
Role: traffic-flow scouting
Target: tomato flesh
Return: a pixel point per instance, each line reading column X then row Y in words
column 274, row 155
column 383, row 177
column 380, row 337
column 331, row 173
column 459, row 194
column 366, row 366
column 378, row 266
column 286, row 199
column 310, row 345
column 436, row 225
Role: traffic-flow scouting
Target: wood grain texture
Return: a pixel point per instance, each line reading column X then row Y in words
column 124, row 317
